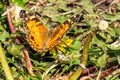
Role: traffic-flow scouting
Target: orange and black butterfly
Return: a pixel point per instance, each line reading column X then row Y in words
column 39, row 37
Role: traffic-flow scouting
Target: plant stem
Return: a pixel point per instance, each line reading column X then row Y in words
column 99, row 73
column 79, row 71
column 5, row 66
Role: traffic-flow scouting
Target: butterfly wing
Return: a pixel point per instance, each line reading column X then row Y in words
column 58, row 33
column 37, row 35
column 36, row 31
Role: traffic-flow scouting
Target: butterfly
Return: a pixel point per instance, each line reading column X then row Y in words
column 39, row 37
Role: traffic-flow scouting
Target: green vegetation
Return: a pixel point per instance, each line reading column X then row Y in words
column 89, row 50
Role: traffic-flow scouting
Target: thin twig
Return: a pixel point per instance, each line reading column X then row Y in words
column 11, row 26
column 97, row 4
column 103, row 73
column 28, row 63
column 61, row 14
column 66, row 13
column 44, row 75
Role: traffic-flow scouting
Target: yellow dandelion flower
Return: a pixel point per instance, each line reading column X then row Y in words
column 61, row 47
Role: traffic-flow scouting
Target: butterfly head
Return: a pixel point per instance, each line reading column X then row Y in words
column 25, row 15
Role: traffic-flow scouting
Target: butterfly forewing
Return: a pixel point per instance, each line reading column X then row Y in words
column 58, row 33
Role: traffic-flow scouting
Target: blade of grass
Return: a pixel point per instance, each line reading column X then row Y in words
column 5, row 66
column 78, row 72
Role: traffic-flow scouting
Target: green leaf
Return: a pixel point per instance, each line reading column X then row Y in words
column 60, row 19
column 34, row 78
column 108, row 39
column 4, row 35
column 91, row 23
column 62, row 6
column 87, row 5
column 118, row 58
column 112, row 18
column 19, row 2
column 2, row 28
column 1, row 5
column 76, row 45
column 99, row 42
column 14, row 50
column 101, row 61
column 50, row 11
column 118, row 7
column 117, row 30
column 111, row 32
column 117, row 54
column 51, row 1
